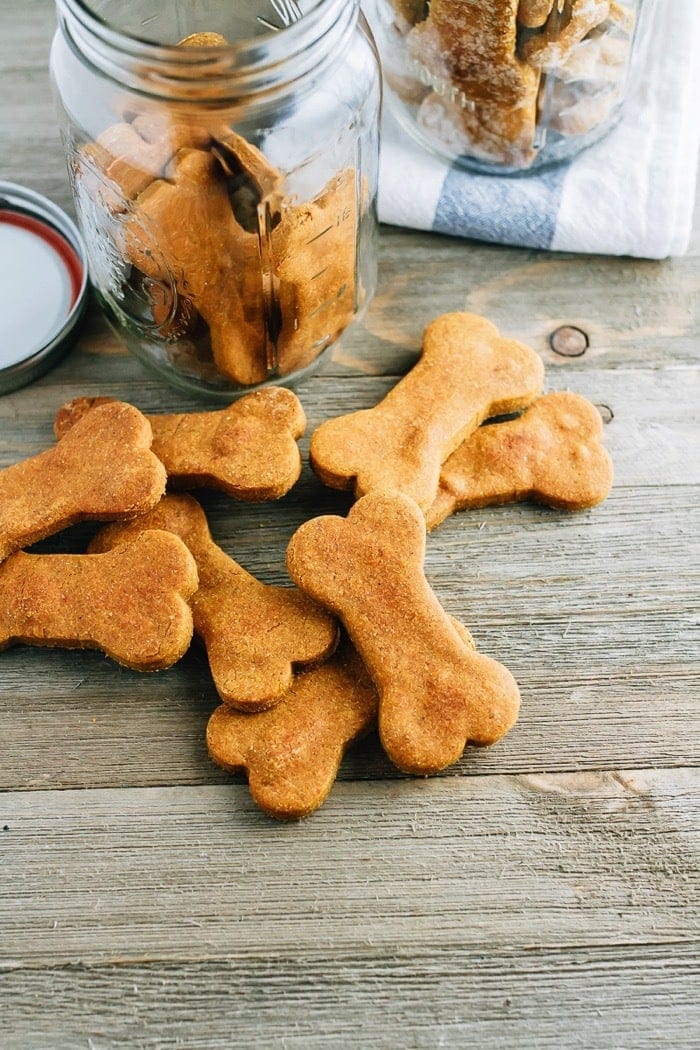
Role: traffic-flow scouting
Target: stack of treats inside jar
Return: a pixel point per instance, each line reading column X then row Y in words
column 488, row 78
column 187, row 209
column 361, row 640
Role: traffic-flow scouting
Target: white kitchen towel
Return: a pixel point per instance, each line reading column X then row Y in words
column 630, row 194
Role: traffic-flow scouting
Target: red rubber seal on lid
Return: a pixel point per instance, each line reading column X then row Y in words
column 43, row 284
column 59, row 244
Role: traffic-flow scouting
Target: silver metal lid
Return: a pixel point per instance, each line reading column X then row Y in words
column 43, row 284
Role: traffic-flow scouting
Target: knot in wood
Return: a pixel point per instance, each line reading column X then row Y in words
column 569, row 341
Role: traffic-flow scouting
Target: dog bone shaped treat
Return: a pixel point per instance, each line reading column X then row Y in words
column 552, row 454
column 248, row 450
column 478, row 39
column 199, row 240
column 127, row 157
column 255, row 634
column 465, row 374
column 131, row 603
column 102, row 470
column 436, row 694
column 292, row 752
column 552, row 47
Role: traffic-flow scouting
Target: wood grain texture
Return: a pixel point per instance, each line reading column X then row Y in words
column 540, row 894
column 487, row 864
column 582, row 609
column 595, row 998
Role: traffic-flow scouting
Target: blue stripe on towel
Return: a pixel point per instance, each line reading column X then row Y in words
column 520, row 210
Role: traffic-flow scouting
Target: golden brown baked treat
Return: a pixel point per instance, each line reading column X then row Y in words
column 552, row 453
column 255, row 635
column 129, row 156
column 104, row 469
column 534, row 13
column 552, row 47
column 410, row 11
column 465, row 374
column 248, row 450
column 188, row 215
column 292, row 752
column 485, row 99
column 496, row 134
column 313, row 251
column 219, row 250
column 436, row 694
column 204, row 40
column 478, row 40
column 131, row 603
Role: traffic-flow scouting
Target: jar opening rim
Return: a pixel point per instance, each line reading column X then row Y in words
column 259, row 66
column 133, row 43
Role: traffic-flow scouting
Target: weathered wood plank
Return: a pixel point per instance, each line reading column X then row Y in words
column 485, row 864
column 597, row 998
column 588, row 611
column 652, row 435
column 636, row 313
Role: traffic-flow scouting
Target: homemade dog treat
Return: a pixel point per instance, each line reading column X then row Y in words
column 484, row 96
column 578, row 19
column 479, row 40
column 204, row 40
column 465, row 374
column 191, row 211
column 534, row 13
column 208, row 268
column 436, row 694
column 471, row 73
column 552, row 454
column 248, row 450
column 102, row 470
column 255, row 635
column 131, row 603
column 292, row 752
column 314, row 261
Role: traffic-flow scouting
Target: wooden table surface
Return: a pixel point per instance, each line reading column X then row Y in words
column 540, row 894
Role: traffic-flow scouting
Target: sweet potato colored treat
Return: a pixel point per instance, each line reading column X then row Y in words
column 436, row 693
column 131, row 603
column 552, row 454
column 292, row 752
column 204, row 40
column 255, row 635
column 197, row 208
column 479, row 40
column 131, row 155
column 314, row 263
column 248, row 450
column 551, row 47
column 534, row 13
column 206, row 251
column 103, row 470
column 465, row 374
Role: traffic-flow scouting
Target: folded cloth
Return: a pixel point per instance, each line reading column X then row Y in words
column 632, row 193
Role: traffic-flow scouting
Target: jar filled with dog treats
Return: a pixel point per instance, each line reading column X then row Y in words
column 508, row 86
column 223, row 158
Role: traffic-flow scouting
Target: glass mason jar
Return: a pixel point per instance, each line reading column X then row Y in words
column 507, row 86
column 223, row 158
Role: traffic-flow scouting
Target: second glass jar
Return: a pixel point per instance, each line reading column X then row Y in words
column 223, row 158
column 508, row 86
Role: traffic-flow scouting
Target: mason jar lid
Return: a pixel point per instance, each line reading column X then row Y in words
column 43, row 284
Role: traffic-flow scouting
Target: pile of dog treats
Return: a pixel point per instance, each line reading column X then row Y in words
column 483, row 73
column 175, row 205
column 301, row 672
